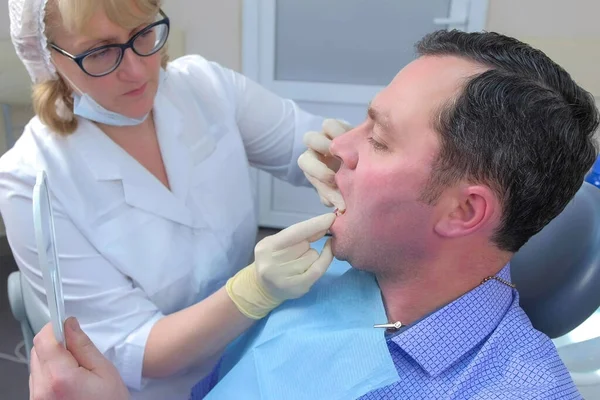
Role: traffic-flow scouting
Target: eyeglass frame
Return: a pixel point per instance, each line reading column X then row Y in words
column 122, row 46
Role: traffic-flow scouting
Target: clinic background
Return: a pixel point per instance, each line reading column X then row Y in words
column 568, row 31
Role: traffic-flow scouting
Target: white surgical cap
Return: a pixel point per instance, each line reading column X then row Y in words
column 27, row 34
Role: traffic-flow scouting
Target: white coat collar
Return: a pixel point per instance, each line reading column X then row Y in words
column 108, row 161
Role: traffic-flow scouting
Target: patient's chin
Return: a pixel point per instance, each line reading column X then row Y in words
column 340, row 248
column 337, row 248
column 345, row 251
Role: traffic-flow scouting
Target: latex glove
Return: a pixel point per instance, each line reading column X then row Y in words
column 320, row 166
column 285, row 267
column 78, row 372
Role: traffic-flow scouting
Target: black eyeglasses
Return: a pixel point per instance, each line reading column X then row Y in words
column 103, row 60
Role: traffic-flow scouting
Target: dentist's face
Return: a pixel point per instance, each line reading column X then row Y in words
column 386, row 163
column 131, row 88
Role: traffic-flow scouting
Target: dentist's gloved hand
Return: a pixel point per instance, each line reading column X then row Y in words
column 320, row 166
column 285, row 267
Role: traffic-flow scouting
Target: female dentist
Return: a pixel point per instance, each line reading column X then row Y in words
column 148, row 166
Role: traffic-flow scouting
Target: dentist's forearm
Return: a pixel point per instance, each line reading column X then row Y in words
column 285, row 268
column 195, row 336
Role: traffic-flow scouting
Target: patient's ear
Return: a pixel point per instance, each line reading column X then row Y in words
column 466, row 209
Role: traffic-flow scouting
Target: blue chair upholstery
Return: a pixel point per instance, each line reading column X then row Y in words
column 557, row 272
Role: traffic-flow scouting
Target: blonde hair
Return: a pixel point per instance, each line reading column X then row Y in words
column 52, row 100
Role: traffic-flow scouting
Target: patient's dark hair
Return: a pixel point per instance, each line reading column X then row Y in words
column 524, row 128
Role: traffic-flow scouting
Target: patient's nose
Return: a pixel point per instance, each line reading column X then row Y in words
column 344, row 148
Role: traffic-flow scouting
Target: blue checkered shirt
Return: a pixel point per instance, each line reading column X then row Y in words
column 481, row 346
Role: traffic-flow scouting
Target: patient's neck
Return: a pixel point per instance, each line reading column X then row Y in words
column 422, row 289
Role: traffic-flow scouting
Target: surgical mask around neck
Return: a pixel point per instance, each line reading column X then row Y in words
column 86, row 107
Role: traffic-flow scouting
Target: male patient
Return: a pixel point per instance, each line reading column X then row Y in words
column 472, row 149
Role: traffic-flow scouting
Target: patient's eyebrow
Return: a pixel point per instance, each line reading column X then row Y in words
column 378, row 117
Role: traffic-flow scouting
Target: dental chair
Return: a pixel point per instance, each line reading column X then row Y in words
column 18, row 291
column 557, row 274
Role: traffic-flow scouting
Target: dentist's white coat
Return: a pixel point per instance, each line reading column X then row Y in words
column 130, row 250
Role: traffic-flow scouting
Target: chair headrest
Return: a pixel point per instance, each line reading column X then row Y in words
column 557, row 272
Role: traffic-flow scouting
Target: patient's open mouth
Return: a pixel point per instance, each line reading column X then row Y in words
column 339, row 212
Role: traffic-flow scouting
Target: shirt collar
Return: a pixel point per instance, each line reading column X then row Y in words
column 441, row 339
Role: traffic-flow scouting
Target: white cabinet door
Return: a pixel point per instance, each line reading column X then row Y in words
column 332, row 57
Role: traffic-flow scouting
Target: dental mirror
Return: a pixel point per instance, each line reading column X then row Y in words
column 45, row 237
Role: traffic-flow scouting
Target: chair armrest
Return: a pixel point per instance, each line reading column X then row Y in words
column 15, row 296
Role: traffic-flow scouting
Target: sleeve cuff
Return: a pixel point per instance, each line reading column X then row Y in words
column 131, row 363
